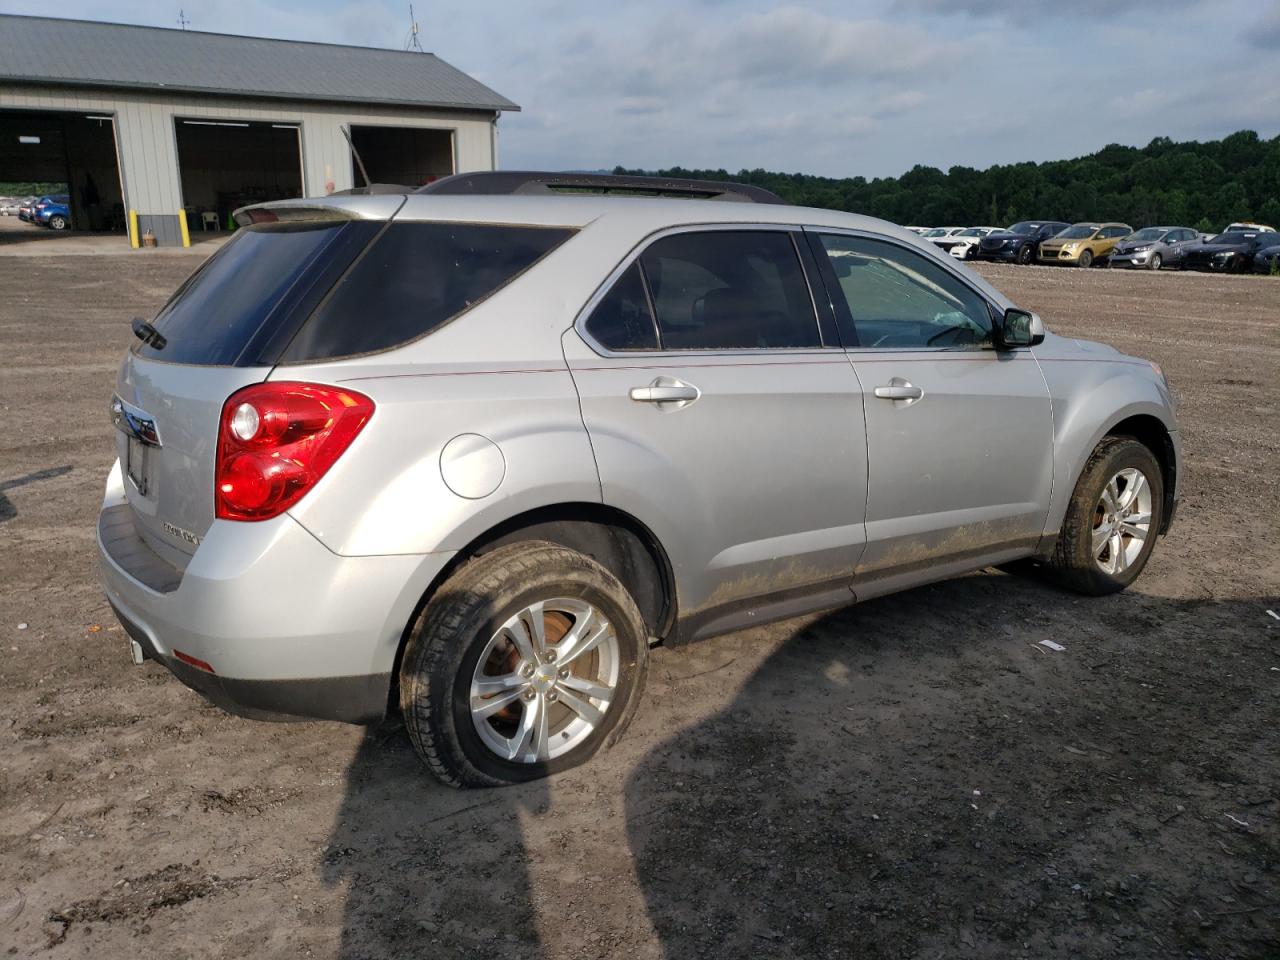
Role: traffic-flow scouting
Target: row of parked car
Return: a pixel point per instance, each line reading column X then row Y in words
column 52, row 210
column 1239, row 248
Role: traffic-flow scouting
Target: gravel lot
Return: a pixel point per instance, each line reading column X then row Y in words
column 913, row 777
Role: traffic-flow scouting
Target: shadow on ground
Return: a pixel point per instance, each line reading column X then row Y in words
column 7, row 510
column 912, row 777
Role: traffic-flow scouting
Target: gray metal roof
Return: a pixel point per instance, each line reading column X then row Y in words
column 84, row 53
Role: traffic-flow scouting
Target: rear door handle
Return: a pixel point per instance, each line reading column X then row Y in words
column 899, row 391
column 665, row 390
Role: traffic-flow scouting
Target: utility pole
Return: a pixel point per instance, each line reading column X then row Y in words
column 183, row 22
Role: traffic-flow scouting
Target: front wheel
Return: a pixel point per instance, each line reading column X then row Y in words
column 1086, row 258
column 1112, row 520
column 526, row 662
column 1025, row 254
column 1156, row 261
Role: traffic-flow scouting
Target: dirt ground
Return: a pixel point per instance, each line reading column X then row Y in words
column 913, row 777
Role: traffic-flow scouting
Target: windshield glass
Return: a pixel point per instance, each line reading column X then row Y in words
column 935, row 232
column 1232, row 236
column 1024, row 227
column 1081, row 231
column 973, row 232
column 1147, row 233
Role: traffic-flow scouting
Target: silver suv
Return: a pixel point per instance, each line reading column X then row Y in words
column 469, row 452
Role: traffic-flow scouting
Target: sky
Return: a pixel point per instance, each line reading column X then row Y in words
column 833, row 88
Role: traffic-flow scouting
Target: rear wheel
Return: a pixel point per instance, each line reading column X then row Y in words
column 58, row 222
column 1112, row 520
column 1156, row 261
column 1086, row 258
column 526, row 662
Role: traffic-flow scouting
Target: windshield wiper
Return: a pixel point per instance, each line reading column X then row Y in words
column 148, row 334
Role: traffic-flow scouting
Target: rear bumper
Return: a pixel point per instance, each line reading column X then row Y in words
column 290, row 629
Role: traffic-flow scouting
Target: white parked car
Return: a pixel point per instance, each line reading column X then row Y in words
column 935, row 233
column 963, row 244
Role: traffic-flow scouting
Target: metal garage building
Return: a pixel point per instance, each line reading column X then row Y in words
column 179, row 125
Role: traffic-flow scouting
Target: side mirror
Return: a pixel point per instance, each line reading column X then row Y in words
column 1020, row 328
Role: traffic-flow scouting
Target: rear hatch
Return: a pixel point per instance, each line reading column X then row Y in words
column 222, row 330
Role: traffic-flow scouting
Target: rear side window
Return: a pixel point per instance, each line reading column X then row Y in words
column 213, row 317
column 414, row 278
column 730, row 290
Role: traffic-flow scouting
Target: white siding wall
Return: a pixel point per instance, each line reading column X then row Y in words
column 148, row 147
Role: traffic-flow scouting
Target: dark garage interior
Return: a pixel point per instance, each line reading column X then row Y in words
column 227, row 164
column 72, row 148
column 406, row 155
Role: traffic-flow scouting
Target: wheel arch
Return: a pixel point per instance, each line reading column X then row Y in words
column 614, row 538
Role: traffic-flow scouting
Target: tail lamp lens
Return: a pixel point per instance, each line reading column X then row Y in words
column 276, row 440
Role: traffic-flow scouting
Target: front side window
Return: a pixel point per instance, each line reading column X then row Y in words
column 899, row 299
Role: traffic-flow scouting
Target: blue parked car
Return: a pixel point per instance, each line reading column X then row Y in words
column 54, row 211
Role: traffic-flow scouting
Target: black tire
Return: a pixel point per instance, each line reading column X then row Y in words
column 453, row 631
column 58, row 222
column 1156, row 261
column 1025, row 254
column 1072, row 564
column 1086, row 259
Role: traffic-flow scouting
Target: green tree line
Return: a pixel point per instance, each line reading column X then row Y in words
column 30, row 188
column 1202, row 185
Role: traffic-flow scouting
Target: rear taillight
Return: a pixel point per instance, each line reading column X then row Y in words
column 276, row 440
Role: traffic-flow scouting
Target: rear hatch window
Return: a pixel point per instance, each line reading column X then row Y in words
column 317, row 290
column 231, row 310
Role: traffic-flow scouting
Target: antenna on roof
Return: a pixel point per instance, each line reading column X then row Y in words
column 183, row 22
column 346, row 132
column 411, row 41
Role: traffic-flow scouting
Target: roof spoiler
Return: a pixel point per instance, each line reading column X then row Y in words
column 374, row 190
column 506, row 182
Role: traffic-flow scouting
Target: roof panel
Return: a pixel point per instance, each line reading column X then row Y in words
column 86, row 53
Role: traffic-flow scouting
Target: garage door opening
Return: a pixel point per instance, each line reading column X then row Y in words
column 227, row 164
column 410, row 156
column 70, row 158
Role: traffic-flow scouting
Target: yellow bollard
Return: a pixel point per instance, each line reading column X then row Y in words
column 133, row 229
column 182, row 222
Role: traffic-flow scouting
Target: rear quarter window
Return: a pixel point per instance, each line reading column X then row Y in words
column 414, row 278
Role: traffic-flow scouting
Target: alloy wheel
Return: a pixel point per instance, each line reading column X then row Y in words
column 1121, row 521
column 545, row 680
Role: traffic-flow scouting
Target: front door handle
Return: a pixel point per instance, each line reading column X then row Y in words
column 666, row 391
column 899, row 391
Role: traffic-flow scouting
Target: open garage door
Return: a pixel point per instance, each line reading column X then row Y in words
column 73, row 157
column 227, row 164
column 410, row 156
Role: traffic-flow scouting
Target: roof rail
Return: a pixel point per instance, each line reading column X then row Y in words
column 500, row 182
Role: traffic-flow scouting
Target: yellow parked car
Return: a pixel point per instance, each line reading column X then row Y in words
column 1084, row 244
